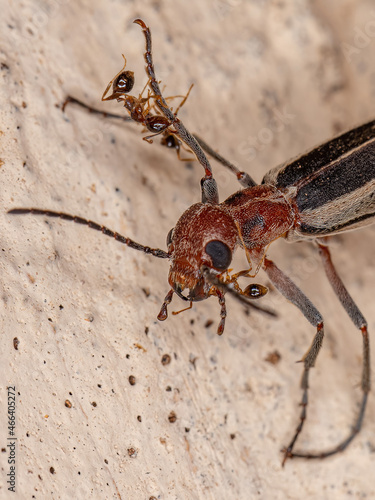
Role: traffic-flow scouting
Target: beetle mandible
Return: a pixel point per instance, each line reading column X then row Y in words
column 325, row 191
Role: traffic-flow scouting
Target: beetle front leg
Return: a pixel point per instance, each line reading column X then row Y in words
column 351, row 308
column 286, row 286
column 360, row 322
column 223, row 312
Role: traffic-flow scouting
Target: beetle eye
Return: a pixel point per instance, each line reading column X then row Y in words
column 169, row 237
column 220, row 254
column 124, row 83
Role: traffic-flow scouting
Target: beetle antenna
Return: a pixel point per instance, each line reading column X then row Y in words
column 156, row 252
column 209, row 188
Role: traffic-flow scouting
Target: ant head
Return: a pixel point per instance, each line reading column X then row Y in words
column 170, row 141
column 123, row 83
column 204, row 238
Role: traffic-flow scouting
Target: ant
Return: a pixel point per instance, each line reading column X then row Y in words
column 139, row 108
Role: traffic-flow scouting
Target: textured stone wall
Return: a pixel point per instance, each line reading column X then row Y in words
column 271, row 79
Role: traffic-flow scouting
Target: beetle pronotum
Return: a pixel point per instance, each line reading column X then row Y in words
column 323, row 192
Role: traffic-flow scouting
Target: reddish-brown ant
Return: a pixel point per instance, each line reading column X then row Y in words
column 325, row 191
column 140, row 109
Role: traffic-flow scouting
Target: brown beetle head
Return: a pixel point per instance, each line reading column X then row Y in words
column 204, row 237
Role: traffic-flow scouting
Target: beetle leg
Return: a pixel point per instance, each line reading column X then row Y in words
column 223, row 312
column 163, row 314
column 360, row 322
column 150, row 137
column 286, row 286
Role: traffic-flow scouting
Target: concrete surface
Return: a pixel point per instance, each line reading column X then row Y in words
column 271, row 80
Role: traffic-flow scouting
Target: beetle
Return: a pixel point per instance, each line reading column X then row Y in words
column 323, row 192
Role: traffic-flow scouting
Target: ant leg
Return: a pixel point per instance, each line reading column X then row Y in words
column 144, row 100
column 113, row 96
column 247, row 297
column 148, row 138
column 154, row 84
column 169, row 98
column 360, row 322
column 190, row 306
column 178, row 150
column 243, row 178
column 170, row 141
column 183, row 100
column 105, row 114
column 156, row 252
column 286, row 286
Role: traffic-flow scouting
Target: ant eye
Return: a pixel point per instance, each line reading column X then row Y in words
column 169, row 237
column 220, row 254
column 124, row 83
